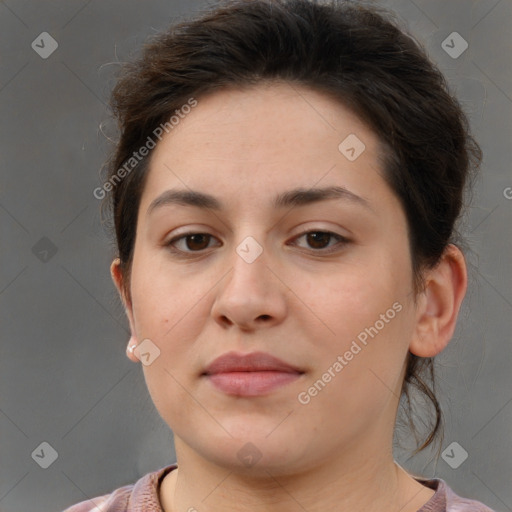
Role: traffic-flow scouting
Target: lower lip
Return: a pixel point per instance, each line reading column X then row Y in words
column 251, row 383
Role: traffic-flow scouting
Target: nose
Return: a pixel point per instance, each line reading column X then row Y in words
column 252, row 295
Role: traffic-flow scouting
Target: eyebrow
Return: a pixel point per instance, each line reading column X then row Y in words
column 294, row 197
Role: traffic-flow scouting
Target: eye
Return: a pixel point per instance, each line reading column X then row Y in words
column 320, row 240
column 193, row 241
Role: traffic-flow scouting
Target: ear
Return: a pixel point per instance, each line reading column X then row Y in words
column 438, row 305
column 117, row 277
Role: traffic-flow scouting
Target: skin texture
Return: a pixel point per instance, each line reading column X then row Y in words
column 294, row 301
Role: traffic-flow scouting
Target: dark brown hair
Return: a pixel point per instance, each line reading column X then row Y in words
column 359, row 55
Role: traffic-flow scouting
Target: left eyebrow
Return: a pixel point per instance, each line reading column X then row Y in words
column 296, row 197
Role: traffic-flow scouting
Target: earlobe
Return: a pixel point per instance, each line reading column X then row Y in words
column 130, row 350
column 439, row 304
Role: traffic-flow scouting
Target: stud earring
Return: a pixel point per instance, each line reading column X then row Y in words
column 131, row 345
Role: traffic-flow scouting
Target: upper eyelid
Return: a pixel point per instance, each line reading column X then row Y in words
column 304, row 232
column 206, row 231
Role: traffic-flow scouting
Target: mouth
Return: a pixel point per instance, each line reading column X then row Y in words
column 251, row 383
column 252, row 374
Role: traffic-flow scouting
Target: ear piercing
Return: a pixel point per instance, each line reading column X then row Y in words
column 132, row 343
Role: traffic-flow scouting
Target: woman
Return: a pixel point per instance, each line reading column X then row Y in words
column 284, row 194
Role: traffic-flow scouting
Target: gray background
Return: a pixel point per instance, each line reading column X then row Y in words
column 65, row 379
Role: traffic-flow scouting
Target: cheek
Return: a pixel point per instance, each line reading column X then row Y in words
column 347, row 302
column 171, row 309
column 362, row 317
column 161, row 300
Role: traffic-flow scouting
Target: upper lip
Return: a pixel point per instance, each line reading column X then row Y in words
column 253, row 362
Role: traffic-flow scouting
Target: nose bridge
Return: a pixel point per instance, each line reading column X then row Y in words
column 250, row 237
column 249, row 262
column 250, row 249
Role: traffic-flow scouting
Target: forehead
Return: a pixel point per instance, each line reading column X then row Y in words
column 260, row 139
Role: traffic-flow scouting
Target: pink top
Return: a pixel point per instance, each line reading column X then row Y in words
column 143, row 497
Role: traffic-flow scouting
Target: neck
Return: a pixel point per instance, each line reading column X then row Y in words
column 345, row 483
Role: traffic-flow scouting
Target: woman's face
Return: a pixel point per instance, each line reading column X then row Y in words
column 339, row 308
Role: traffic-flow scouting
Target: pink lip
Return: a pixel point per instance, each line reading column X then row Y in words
column 250, row 374
column 251, row 383
column 253, row 362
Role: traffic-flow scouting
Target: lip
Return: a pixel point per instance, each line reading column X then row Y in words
column 252, row 374
column 250, row 383
column 253, row 362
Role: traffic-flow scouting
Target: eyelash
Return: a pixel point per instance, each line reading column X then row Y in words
column 186, row 254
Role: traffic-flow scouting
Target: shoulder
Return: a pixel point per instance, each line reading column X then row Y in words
column 456, row 503
column 129, row 497
column 446, row 500
column 115, row 501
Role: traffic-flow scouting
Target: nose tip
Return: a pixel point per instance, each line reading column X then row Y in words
column 251, row 296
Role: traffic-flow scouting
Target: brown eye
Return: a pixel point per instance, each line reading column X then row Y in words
column 197, row 241
column 194, row 242
column 320, row 240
